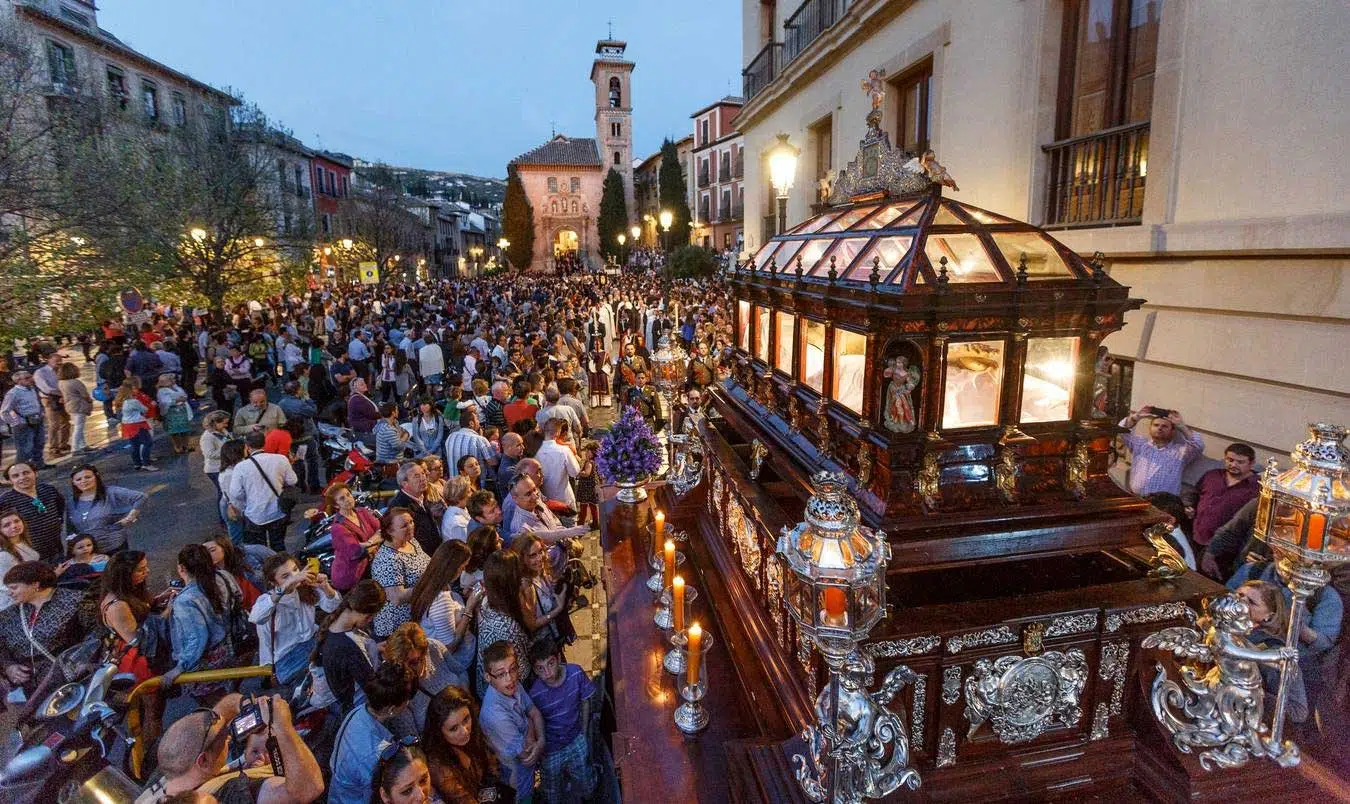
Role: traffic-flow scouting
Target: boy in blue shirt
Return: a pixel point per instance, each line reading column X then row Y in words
column 512, row 723
column 562, row 694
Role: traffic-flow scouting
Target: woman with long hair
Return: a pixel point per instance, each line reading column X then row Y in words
column 100, row 510
column 425, row 662
column 499, row 617
column 543, row 610
column 133, row 408
column 83, row 560
column 241, row 567
column 482, row 543
column 398, row 564
column 344, row 650
column 401, row 777
column 470, row 467
column 15, row 548
column 441, row 612
column 231, row 455
column 199, row 619
column 125, row 607
column 356, row 536
column 429, row 427
column 461, row 764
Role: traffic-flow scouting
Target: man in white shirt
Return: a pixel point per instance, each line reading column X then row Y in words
column 254, row 493
column 559, row 462
column 431, row 363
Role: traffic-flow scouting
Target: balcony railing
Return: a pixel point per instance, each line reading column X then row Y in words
column 1098, row 179
column 762, row 69
column 808, row 22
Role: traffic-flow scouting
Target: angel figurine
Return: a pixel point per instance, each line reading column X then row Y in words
column 875, row 87
column 927, row 164
column 899, row 413
column 1221, row 708
column 825, row 185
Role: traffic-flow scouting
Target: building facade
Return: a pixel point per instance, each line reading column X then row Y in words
column 647, row 185
column 562, row 179
column 612, row 76
column 1187, row 141
column 717, row 199
column 332, row 184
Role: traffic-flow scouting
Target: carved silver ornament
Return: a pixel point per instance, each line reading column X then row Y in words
column 1022, row 697
column 1000, row 635
column 900, row 648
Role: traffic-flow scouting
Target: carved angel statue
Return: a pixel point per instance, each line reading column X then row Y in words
column 927, row 164
column 825, row 185
column 1219, row 709
column 859, row 738
column 875, row 87
column 899, row 415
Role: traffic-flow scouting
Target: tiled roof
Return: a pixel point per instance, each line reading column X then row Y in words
column 561, row 150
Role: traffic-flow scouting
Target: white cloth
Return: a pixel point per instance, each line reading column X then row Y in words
column 442, row 616
column 455, row 525
column 431, row 359
column 248, row 486
column 294, row 621
column 559, row 464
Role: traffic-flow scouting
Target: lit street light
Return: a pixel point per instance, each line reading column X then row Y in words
column 198, row 234
column 782, row 172
column 636, row 232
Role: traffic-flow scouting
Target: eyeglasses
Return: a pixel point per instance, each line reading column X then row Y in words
column 510, row 672
column 391, row 748
column 211, row 717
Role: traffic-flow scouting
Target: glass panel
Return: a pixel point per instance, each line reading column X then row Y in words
column 1043, row 261
column 810, row 255
column 966, row 257
column 815, row 224
column 787, row 255
column 762, row 333
column 813, row 355
column 850, row 357
column 945, row 217
column 1141, row 56
column 891, row 250
column 743, row 324
column 1047, row 383
column 985, row 217
column 787, row 330
column 844, row 251
column 911, row 218
column 848, row 219
column 973, row 383
column 883, row 218
column 762, row 258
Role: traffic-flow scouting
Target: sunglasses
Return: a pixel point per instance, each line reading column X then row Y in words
column 39, row 505
column 212, row 716
column 391, row 748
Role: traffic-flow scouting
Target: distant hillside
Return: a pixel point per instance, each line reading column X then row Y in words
column 476, row 190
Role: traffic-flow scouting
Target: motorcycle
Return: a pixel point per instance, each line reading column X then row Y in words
column 345, row 456
column 78, row 745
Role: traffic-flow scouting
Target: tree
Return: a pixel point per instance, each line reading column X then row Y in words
column 380, row 221
column 613, row 219
column 518, row 223
column 203, row 215
column 674, row 195
column 692, row 262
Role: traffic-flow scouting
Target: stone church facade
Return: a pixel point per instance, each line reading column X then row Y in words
column 563, row 178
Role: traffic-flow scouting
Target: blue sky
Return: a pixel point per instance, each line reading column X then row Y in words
column 457, row 85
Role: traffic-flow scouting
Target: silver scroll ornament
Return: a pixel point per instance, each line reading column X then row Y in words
column 867, row 748
column 1022, row 697
column 1218, row 707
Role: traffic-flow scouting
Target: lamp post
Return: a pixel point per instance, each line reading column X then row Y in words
column 636, row 234
column 836, row 592
column 477, row 253
column 623, row 253
column 502, row 245
column 666, row 218
column 782, row 172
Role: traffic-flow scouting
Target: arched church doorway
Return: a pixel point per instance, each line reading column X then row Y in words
column 566, row 242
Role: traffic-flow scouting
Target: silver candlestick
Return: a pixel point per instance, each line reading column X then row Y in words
column 665, row 617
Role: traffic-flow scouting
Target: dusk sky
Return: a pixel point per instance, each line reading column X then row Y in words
column 455, row 85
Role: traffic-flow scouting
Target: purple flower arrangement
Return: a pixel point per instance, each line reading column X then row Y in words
column 630, row 452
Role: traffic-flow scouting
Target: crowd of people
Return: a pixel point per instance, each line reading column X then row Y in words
column 435, row 642
column 1212, row 521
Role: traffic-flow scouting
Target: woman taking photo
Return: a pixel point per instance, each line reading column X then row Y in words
column 198, row 620
column 40, row 625
column 344, row 650
column 175, row 412
column 461, row 764
column 285, row 616
column 133, row 408
column 15, row 549
column 443, row 614
column 356, row 536
column 544, row 610
column 499, row 617
column 397, row 566
column 101, row 511
column 78, row 403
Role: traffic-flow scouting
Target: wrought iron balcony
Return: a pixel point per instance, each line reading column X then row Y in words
column 808, row 22
column 763, row 68
column 1098, row 179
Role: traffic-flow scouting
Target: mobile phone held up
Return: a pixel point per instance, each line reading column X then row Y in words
column 1161, row 413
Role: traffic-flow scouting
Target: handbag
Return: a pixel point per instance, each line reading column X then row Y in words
column 100, row 394
column 239, row 632
column 287, row 498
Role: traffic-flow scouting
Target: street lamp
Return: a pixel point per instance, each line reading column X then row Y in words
column 502, row 245
column 636, row 232
column 782, row 171
column 622, row 238
column 198, row 234
column 347, row 243
column 258, row 242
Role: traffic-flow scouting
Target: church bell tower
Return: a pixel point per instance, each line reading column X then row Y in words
column 612, row 75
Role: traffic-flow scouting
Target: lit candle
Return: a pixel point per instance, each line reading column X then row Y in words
column 1317, row 527
column 670, row 562
column 678, row 608
column 835, row 603
column 660, row 525
column 695, row 640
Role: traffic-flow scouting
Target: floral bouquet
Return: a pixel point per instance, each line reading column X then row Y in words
column 630, row 453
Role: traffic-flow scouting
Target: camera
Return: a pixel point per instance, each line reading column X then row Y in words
column 247, row 721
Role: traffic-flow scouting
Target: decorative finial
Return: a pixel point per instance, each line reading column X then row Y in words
column 942, row 277
column 1022, row 270
column 875, row 278
column 1098, row 269
column 834, row 275
column 611, row 29
column 799, row 268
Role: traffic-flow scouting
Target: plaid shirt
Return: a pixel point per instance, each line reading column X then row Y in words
column 1153, row 468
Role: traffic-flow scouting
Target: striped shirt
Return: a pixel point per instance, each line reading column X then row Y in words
column 466, row 442
column 45, row 516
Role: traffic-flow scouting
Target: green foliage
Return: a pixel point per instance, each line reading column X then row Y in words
column 613, row 219
column 692, row 262
column 674, row 194
column 518, row 223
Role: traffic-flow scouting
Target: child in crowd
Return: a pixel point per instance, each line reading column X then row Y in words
column 588, row 485
column 562, row 693
column 285, row 615
column 513, row 725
